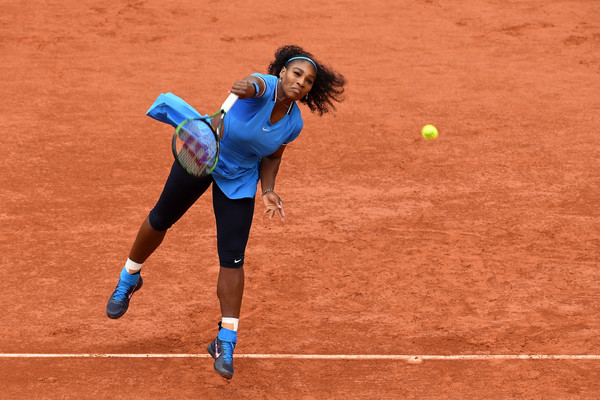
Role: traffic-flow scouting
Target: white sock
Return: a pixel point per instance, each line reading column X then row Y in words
column 232, row 321
column 132, row 267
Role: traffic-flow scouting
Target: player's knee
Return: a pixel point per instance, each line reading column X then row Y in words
column 159, row 222
column 231, row 259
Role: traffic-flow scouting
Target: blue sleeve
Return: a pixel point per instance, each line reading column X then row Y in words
column 270, row 83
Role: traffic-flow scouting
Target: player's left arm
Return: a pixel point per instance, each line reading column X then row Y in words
column 269, row 166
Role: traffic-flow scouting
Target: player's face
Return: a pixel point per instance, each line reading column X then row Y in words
column 297, row 79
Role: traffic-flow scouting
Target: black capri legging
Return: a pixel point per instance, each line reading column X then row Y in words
column 233, row 216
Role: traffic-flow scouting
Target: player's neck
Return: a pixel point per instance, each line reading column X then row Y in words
column 281, row 100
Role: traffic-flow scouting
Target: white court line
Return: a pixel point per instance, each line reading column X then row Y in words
column 473, row 357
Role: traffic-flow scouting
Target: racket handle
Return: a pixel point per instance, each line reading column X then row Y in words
column 229, row 102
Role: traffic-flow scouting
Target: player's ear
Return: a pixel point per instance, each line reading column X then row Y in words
column 282, row 72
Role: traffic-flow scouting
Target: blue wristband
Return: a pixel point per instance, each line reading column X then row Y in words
column 256, row 89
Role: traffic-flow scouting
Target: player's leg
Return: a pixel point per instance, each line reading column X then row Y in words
column 181, row 190
column 230, row 289
column 146, row 242
column 234, row 219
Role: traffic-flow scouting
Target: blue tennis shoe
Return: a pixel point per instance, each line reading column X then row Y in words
column 119, row 301
column 221, row 349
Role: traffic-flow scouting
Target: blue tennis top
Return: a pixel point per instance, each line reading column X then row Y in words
column 248, row 135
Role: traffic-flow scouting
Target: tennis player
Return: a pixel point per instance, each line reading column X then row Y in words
column 256, row 131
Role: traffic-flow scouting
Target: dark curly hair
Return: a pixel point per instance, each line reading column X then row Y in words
column 328, row 85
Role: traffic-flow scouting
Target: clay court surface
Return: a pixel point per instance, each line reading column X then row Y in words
column 483, row 242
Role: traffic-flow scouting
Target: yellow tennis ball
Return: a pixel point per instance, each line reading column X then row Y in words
column 429, row 132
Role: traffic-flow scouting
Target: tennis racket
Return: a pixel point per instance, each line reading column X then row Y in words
column 196, row 142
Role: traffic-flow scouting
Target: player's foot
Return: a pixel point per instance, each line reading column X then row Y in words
column 119, row 301
column 221, row 349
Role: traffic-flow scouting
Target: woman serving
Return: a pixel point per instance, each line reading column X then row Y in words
column 255, row 133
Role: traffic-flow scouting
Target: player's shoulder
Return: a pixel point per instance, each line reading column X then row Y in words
column 270, row 82
column 266, row 77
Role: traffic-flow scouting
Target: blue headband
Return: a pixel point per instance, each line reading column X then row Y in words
column 303, row 58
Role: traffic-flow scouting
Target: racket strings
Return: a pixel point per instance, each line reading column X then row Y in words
column 197, row 147
column 191, row 154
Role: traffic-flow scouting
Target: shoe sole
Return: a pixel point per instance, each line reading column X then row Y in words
column 119, row 315
column 225, row 375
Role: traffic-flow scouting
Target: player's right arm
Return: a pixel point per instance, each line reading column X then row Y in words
column 244, row 89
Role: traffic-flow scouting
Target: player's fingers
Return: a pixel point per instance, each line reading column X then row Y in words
column 269, row 213
column 281, row 210
column 243, row 89
column 281, row 214
column 238, row 89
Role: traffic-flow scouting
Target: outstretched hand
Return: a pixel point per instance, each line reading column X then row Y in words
column 273, row 205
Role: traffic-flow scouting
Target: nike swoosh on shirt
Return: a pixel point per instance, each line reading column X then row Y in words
column 266, row 130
